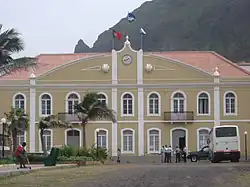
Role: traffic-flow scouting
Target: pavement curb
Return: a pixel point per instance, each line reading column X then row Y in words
column 9, row 174
column 8, row 166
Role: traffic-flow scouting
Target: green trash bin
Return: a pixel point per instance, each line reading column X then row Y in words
column 51, row 159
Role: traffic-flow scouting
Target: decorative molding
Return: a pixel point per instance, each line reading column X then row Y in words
column 162, row 68
column 93, row 68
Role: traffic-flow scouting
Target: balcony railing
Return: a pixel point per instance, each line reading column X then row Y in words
column 67, row 117
column 186, row 116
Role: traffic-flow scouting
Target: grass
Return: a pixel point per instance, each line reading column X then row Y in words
column 56, row 177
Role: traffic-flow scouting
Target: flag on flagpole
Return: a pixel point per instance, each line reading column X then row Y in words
column 131, row 17
column 117, row 35
column 142, row 31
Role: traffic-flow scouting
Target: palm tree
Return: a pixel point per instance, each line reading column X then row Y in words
column 10, row 43
column 48, row 123
column 17, row 121
column 90, row 108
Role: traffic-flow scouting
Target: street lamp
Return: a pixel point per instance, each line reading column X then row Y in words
column 97, row 142
column 245, row 135
column 3, row 122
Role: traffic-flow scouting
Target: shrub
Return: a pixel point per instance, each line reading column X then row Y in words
column 67, row 151
column 36, row 157
column 7, row 160
column 73, row 158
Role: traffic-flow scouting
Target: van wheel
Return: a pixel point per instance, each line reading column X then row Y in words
column 193, row 158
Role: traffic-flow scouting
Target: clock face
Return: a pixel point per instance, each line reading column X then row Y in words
column 127, row 59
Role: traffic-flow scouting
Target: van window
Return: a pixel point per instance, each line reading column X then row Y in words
column 226, row 132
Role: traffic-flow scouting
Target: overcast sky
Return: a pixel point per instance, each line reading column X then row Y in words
column 55, row 26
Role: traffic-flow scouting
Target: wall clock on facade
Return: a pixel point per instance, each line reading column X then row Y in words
column 127, row 59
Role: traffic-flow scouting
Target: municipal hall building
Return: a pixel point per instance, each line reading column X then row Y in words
column 160, row 98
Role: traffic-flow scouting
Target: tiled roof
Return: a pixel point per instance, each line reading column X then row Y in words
column 204, row 60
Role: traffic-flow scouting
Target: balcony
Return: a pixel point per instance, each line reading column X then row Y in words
column 71, row 118
column 179, row 117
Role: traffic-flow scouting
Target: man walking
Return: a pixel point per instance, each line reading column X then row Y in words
column 20, row 155
column 177, row 154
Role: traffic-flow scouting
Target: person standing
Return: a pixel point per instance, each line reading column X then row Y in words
column 177, row 154
column 185, row 154
column 165, row 153
column 170, row 151
column 20, row 155
column 163, row 150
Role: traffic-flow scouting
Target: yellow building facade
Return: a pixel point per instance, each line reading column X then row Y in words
column 164, row 98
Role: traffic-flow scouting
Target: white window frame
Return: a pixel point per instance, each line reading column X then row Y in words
column 148, row 138
column 69, row 129
column 107, row 136
column 67, row 99
column 148, row 104
column 198, row 104
column 133, row 104
column 198, row 135
column 40, row 104
column 104, row 94
column 224, row 104
column 14, row 100
column 25, row 134
column 185, row 100
column 40, row 143
column 133, row 143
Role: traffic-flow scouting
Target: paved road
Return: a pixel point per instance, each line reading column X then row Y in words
column 174, row 175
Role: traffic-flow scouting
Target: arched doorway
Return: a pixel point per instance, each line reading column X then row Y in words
column 73, row 138
column 178, row 138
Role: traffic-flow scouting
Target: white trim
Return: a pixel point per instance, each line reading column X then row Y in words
column 133, row 135
column 107, row 136
column 69, row 129
column 25, row 100
column 66, row 100
column 40, row 143
column 106, row 96
column 79, row 60
column 32, row 113
column 198, row 135
column 148, row 140
column 40, row 104
column 172, row 100
column 159, row 100
column 224, row 104
column 133, row 104
column 178, row 128
column 197, row 104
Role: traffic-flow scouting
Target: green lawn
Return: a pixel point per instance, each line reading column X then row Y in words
column 57, row 177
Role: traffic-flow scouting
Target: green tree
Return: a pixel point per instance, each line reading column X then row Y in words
column 10, row 43
column 17, row 121
column 90, row 108
column 48, row 123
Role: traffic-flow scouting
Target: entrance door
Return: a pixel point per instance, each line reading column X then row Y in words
column 182, row 142
column 178, row 138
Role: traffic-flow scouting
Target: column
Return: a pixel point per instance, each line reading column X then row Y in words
column 32, row 114
column 140, row 103
column 216, row 97
column 114, row 102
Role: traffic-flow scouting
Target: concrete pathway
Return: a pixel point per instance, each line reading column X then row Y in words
column 10, row 171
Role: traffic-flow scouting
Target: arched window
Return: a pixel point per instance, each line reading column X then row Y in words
column 153, row 104
column 102, row 139
column 20, row 137
column 203, row 137
column 154, row 141
column 73, row 137
column 46, row 104
column 230, row 103
column 127, row 104
column 178, row 102
column 203, row 103
column 19, row 101
column 72, row 100
column 47, row 138
column 102, row 98
column 127, row 141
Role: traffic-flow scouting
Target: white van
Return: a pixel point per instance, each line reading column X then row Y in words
column 224, row 143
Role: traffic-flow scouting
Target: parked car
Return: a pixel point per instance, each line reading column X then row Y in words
column 199, row 155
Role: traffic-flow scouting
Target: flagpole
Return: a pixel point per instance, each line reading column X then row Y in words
column 141, row 41
column 113, row 43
